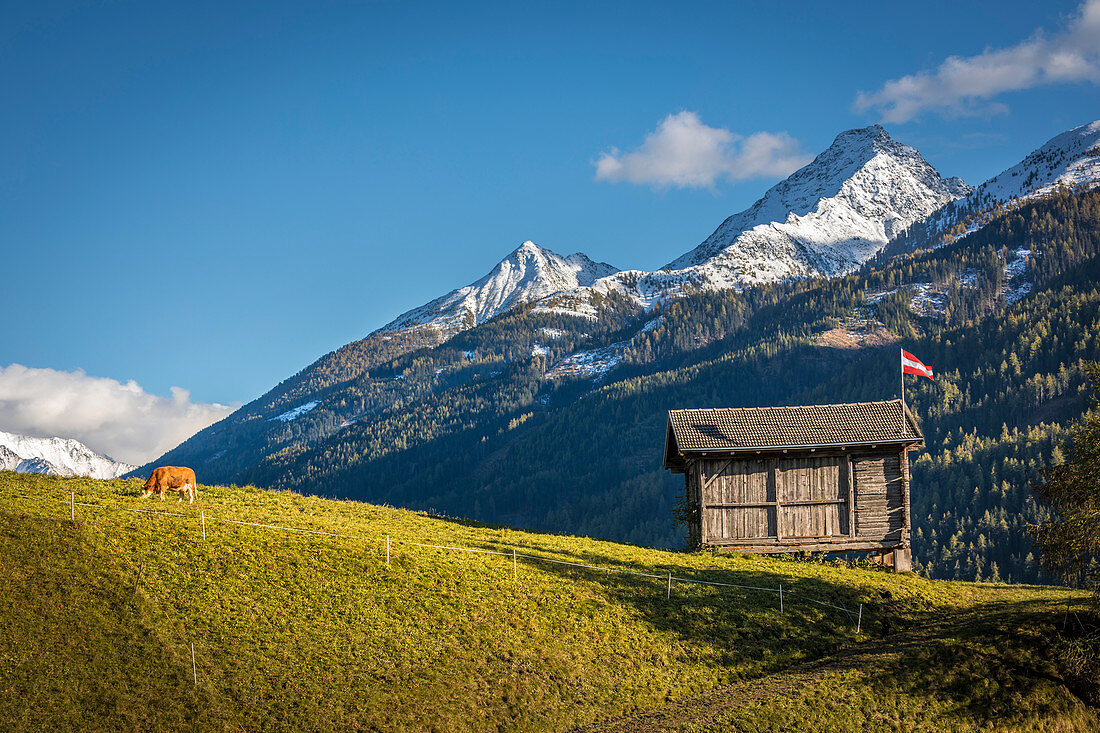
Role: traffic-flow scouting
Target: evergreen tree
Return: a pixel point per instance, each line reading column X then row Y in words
column 1070, row 541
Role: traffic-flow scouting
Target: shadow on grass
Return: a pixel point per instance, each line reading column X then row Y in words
column 988, row 666
column 991, row 664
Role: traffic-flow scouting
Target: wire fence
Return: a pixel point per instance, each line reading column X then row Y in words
column 783, row 594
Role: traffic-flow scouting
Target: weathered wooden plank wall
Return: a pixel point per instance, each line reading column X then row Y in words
column 785, row 500
column 879, row 509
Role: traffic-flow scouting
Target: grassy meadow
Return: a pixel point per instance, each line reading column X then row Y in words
column 296, row 631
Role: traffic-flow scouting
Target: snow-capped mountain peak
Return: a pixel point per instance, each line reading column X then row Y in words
column 57, row 457
column 527, row 274
column 827, row 218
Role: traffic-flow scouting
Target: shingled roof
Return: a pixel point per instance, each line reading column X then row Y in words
column 733, row 429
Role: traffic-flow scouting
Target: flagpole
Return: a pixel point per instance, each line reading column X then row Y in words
column 902, row 368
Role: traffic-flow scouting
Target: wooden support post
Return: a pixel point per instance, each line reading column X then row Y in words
column 202, row 513
column 194, row 669
column 859, row 621
column 515, row 565
column 387, row 549
column 781, row 598
column 903, row 560
column 669, row 596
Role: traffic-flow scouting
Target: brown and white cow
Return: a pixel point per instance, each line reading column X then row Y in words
column 171, row 477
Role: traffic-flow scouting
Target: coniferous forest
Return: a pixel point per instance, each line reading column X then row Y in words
column 489, row 426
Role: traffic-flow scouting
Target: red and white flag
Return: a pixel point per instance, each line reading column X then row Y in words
column 912, row 365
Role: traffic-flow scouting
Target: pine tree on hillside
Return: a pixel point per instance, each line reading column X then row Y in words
column 1070, row 542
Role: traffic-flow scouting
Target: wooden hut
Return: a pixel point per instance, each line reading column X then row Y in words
column 814, row 478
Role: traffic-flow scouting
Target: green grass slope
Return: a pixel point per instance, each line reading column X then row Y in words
column 299, row 631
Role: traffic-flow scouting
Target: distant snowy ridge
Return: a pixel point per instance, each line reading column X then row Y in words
column 865, row 191
column 56, row 457
column 528, row 274
column 1070, row 159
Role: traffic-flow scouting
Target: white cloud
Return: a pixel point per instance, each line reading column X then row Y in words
column 967, row 85
column 685, row 153
column 122, row 420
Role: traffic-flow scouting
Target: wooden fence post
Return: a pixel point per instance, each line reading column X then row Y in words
column 194, row 669
column 781, row 598
column 859, row 621
column 669, row 596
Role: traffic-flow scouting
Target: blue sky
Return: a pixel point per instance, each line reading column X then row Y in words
column 210, row 196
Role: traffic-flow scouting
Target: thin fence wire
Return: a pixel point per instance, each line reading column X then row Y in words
column 513, row 553
column 164, row 513
column 295, row 529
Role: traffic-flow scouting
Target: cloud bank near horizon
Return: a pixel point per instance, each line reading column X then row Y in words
column 965, row 86
column 121, row 420
column 683, row 152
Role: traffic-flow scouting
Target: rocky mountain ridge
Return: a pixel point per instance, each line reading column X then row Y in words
column 826, row 219
column 529, row 273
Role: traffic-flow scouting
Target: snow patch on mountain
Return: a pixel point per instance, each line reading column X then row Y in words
column 578, row 306
column 1018, row 266
column 594, row 363
column 56, row 457
column 297, row 412
column 1017, row 286
column 928, row 300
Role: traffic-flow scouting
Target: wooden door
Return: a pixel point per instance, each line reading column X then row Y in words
column 812, row 497
column 738, row 501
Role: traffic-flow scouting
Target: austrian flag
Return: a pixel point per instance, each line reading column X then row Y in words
column 912, row 365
